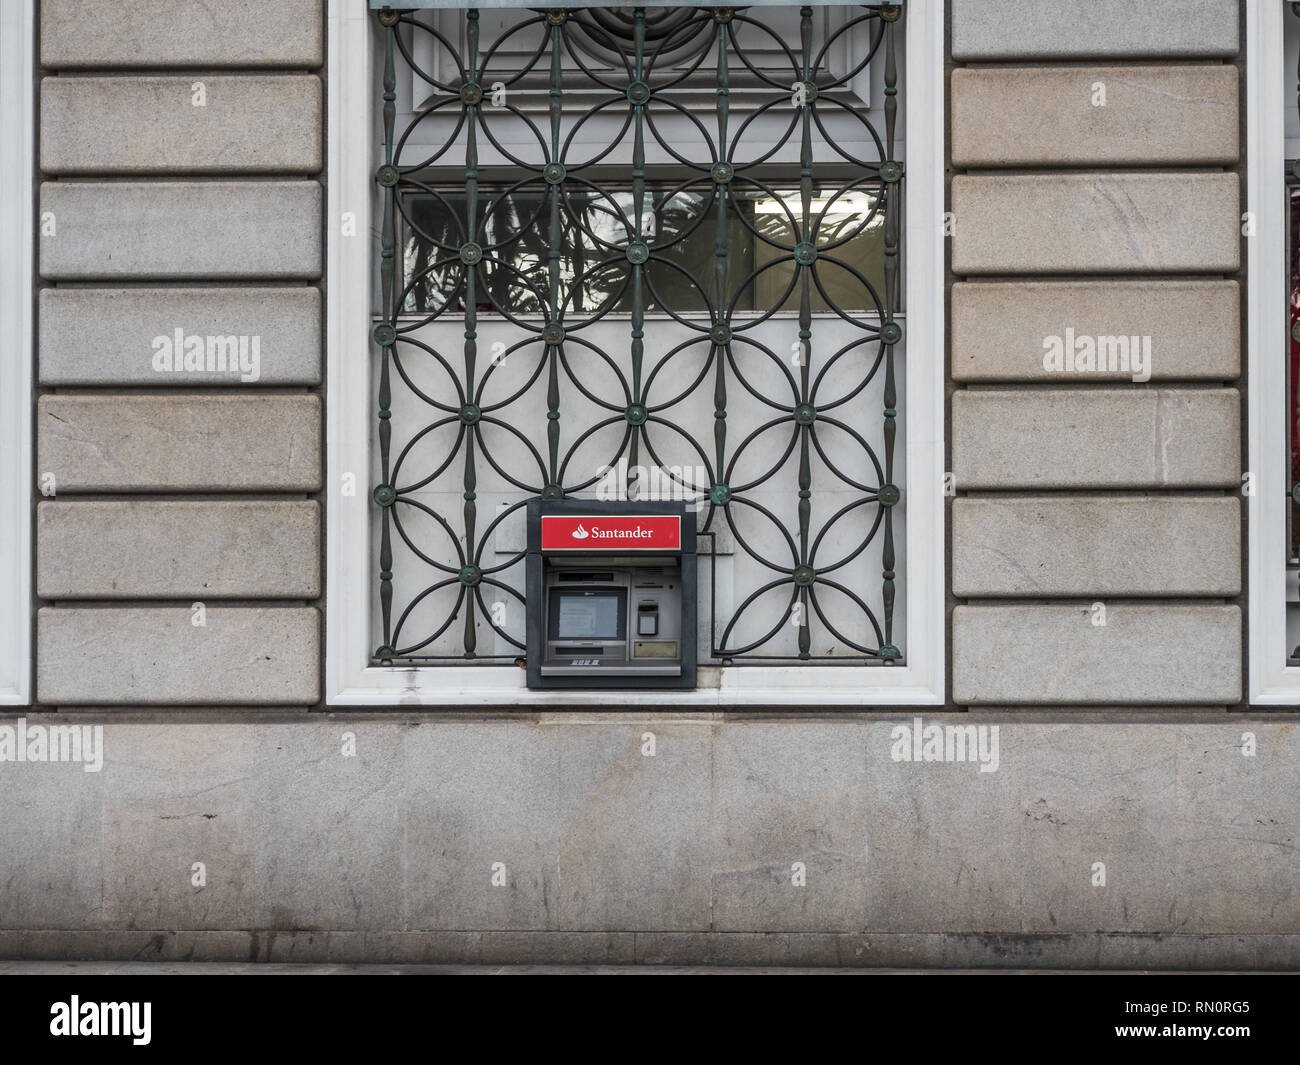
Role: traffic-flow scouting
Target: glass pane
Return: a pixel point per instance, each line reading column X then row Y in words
column 680, row 224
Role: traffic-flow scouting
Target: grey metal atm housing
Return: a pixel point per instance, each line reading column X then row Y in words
column 610, row 618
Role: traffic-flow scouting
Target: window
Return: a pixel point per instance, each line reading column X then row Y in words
column 1273, row 135
column 634, row 251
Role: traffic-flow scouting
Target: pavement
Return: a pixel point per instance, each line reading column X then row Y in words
column 221, row 968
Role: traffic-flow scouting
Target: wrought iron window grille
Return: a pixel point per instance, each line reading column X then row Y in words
column 524, row 268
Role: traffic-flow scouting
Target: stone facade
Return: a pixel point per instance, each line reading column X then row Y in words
column 180, row 572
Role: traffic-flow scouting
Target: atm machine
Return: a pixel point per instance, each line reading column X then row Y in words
column 611, row 594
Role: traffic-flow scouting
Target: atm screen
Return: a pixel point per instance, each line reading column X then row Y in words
column 581, row 615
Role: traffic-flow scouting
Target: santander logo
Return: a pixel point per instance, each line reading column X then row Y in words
column 639, row 533
column 636, row 532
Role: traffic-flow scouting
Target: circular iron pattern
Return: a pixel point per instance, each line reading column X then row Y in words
column 667, row 32
column 387, row 175
column 384, row 334
column 530, row 425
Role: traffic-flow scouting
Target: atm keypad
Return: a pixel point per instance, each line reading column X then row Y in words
column 647, row 619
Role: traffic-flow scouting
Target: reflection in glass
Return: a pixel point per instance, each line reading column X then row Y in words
column 680, row 226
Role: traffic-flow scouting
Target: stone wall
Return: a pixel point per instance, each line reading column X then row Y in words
column 602, row 852
column 652, row 837
column 1096, row 188
column 180, row 150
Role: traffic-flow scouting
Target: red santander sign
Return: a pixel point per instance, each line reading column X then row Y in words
column 606, row 532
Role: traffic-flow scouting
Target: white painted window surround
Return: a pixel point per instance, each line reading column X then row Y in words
column 17, row 135
column 351, row 681
column 1270, row 92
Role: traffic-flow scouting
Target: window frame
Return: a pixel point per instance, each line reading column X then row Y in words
column 17, row 133
column 1272, row 681
column 349, row 678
